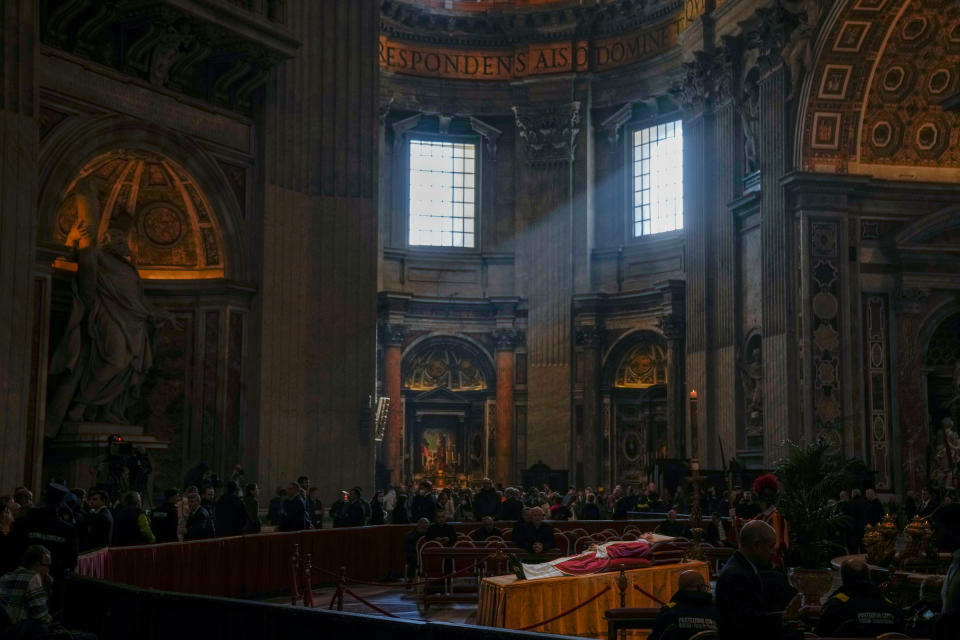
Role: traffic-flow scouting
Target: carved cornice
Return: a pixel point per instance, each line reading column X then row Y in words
column 212, row 50
column 392, row 335
column 503, row 27
column 489, row 133
column 549, row 135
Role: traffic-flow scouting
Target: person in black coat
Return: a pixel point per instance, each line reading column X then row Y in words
column 294, row 516
column 130, row 524
column 96, row 531
column 199, row 523
column 424, row 505
column 535, row 536
column 673, row 527
column 590, row 510
column 399, row 513
column 165, row 519
column 485, row 531
column 410, row 546
column 41, row 525
column 251, row 502
column 857, row 608
column 275, row 507
column 744, row 611
column 487, row 500
column 688, row 612
column 230, row 516
column 511, row 509
column 874, row 508
column 442, row 532
column 352, row 514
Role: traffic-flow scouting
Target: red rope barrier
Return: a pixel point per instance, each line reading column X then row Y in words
column 369, row 604
column 649, row 595
column 568, row 611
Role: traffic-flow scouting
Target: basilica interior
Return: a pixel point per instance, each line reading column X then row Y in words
column 574, row 242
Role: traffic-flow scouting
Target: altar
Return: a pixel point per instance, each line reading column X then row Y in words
column 517, row 604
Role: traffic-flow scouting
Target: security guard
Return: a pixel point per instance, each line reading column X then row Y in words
column 42, row 526
column 689, row 611
column 858, row 609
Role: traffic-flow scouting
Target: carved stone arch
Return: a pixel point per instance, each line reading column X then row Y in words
column 637, row 343
column 874, row 104
column 81, row 139
column 934, row 320
column 441, row 358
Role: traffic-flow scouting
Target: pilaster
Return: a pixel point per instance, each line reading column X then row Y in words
column 21, row 439
column 547, row 145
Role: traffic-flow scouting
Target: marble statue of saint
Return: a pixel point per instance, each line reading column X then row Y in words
column 798, row 52
column 751, row 378
column 107, row 348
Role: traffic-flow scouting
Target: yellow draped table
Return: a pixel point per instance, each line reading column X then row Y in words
column 515, row 604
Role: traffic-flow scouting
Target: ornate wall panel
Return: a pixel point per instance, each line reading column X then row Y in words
column 876, row 367
column 825, row 329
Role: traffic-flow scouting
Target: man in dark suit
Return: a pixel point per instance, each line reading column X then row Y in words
column 295, row 516
column 535, row 536
column 742, row 605
column 96, row 531
column 199, row 523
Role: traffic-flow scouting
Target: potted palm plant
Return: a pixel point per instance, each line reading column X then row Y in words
column 810, row 476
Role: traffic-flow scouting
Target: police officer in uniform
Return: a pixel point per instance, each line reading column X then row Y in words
column 165, row 519
column 689, row 611
column 42, row 526
column 858, row 609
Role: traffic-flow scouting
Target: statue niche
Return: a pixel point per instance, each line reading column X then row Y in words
column 107, row 349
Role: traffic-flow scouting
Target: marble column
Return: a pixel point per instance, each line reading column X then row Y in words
column 392, row 337
column 20, row 431
column 505, row 439
column 590, row 340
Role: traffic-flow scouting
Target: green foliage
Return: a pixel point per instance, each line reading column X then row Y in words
column 809, row 477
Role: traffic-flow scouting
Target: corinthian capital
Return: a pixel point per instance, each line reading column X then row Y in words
column 508, row 339
column 549, row 136
column 392, row 335
column 701, row 82
column 671, row 326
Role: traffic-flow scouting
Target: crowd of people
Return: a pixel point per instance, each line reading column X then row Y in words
column 39, row 543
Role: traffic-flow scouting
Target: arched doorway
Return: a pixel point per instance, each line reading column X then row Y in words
column 635, row 391
column 448, row 388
